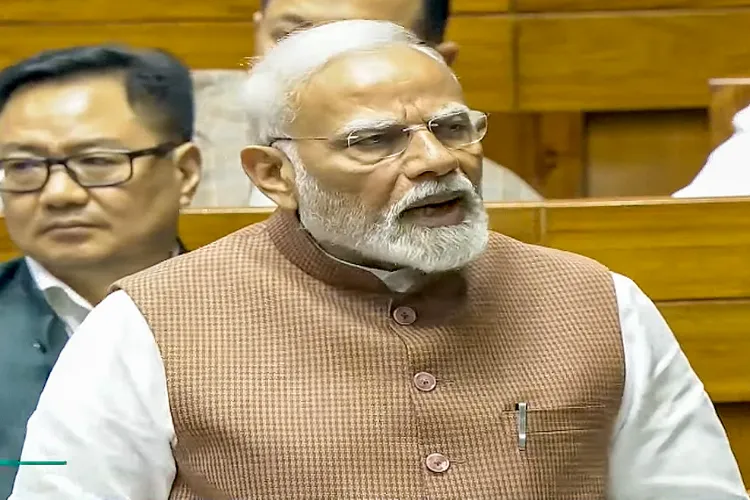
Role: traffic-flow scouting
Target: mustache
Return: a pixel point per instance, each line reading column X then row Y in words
column 455, row 185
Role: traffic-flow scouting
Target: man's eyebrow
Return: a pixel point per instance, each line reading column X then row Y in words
column 100, row 142
column 450, row 109
column 20, row 147
column 295, row 21
column 291, row 19
column 361, row 124
column 103, row 143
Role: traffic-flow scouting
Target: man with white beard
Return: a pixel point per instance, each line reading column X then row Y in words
column 373, row 339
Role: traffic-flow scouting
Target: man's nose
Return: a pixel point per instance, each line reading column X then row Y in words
column 427, row 156
column 61, row 190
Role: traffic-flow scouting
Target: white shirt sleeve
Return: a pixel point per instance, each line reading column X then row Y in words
column 105, row 411
column 668, row 443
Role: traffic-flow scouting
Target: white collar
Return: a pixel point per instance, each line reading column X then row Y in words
column 68, row 304
column 45, row 281
column 400, row 280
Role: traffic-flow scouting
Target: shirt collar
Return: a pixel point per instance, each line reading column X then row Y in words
column 400, row 281
column 46, row 282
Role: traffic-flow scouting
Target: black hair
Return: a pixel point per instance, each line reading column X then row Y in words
column 157, row 84
column 435, row 15
column 435, row 19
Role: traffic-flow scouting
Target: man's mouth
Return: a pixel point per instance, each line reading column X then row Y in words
column 436, row 202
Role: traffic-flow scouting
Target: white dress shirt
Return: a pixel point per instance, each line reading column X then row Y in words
column 727, row 170
column 64, row 301
column 105, row 410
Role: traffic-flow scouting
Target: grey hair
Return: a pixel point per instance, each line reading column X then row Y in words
column 270, row 90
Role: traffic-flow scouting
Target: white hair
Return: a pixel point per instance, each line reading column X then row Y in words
column 270, row 89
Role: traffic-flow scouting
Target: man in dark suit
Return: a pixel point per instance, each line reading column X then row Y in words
column 96, row 160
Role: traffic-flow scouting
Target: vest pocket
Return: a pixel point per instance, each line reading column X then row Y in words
column 565, row 451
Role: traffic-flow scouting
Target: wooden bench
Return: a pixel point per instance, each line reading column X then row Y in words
column 690, row 257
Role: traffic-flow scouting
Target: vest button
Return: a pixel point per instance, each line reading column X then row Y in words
column 425, row 382
column 404, row 315
column 437, row 463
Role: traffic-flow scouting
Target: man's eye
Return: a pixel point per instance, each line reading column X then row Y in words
column 21, row 163
column 369, row 141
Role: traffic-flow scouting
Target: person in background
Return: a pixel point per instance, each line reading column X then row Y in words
column 220, row 134
column 427, row 18
column 727, row 170
column 96, row 160
column 373, row 339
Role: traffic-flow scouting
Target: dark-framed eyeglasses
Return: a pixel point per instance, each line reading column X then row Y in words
column 370, row 145
column 94, row 169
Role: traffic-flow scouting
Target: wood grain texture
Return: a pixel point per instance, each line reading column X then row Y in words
column 674, row 251
column 600, row 5
column 728, row 96
column 545, row 149
column 522, row 221
column 485, row 63
column 474, row 6
column 736, row 420
column 108, row 12
column 647, row 153
column 484, row 66
column 201, row 45
column 198, row 227
column 712, row 332
column 628, row 61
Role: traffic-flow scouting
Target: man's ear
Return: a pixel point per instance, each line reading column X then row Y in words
column 187, row 158
column 449, row 51
column 271, row 172
column 257, row 18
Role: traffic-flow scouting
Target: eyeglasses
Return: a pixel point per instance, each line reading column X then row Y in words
column 368, row 146
column 88, row 170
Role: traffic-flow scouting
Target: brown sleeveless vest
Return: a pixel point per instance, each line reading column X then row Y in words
column 294, row 376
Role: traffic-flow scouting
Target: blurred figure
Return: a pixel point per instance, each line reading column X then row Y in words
column 373, row 339
column 727, row 171
column 221, row 131
column 96, row 160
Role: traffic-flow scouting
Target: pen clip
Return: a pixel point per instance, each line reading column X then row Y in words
column 522, row 409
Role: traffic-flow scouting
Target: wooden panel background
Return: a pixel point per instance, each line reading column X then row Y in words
column 587, row 97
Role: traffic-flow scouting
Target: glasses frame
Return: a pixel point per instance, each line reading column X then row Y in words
column 160, row 150
column 408, row 130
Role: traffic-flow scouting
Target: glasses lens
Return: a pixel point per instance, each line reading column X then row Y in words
column 101, row 169
column 22, row 174
column 459, row 129
column 371, row 146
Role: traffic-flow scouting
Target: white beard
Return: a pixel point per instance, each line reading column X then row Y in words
column 340, row 219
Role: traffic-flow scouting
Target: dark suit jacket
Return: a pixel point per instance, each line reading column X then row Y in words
column 31, row 338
